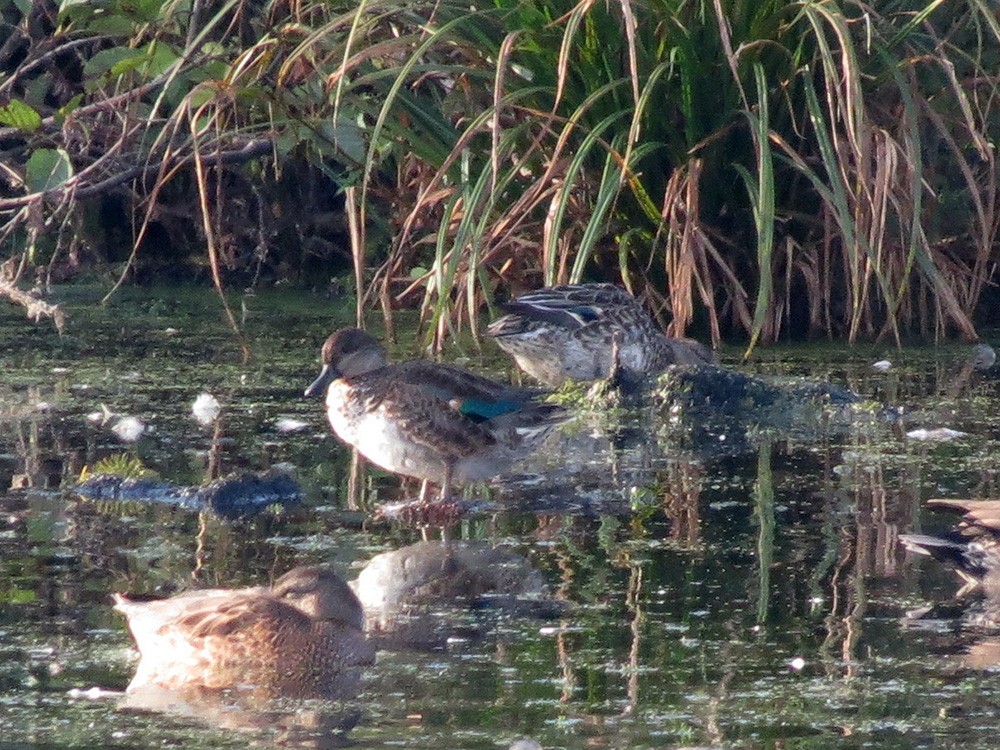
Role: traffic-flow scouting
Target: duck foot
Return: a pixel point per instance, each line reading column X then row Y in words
column 419, row 512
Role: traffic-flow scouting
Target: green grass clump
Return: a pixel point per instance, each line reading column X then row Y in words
column 757, row 169
column 120, row 465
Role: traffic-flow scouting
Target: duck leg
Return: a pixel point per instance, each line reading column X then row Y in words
column 441, row 510
column 446, row 483
column 615, row 374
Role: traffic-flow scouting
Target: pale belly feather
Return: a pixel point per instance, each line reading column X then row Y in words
column 380, row 441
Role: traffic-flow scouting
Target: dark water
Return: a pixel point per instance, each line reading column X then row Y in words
column 724, row 596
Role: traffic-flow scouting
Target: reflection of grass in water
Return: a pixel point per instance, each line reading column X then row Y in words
column 185, row 324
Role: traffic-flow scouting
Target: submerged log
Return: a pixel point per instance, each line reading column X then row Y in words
column 713, row 410
column 238, row 495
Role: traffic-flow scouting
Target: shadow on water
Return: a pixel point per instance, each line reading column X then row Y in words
column 623, row 588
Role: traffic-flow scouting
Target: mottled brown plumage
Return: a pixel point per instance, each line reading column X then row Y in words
column 430, row 421
column 567, row 332
column 296, row 638
column 975, row 550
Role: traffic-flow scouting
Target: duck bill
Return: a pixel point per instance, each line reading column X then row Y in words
column 318, row 387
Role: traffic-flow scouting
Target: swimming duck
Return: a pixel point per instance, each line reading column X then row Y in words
column 435, row 422
column 568, row 332
column 293, row 638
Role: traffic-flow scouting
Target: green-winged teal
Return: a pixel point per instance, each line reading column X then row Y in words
column 435, row 422
column 564, row 333
column 292, row 638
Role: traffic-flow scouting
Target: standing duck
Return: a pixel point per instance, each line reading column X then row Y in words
column 436, row 422
column 569, row 332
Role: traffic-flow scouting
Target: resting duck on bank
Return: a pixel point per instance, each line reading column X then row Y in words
column 568, row 332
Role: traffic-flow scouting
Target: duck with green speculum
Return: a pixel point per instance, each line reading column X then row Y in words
column 435, row 422
column 572, row 332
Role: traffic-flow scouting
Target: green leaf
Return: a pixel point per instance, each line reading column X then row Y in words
column 47, row 168
column 36, row 90
column 202, row 95
column 347, row 137
column 115, row 61
column 19, row 596
column 162, row 57
column 761, row 193
column 19, row 115
column 65, row 110
column 148, row 11
column 111, row 25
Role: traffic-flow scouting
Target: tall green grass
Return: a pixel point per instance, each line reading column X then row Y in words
column 756, row 169
column 770, row 168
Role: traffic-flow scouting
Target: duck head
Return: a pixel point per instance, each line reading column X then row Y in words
column 321, row 594
column 347, row 353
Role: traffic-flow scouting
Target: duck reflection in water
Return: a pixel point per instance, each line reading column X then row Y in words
column 402, row 590
column 973, row 550
column 979, row 362
column 435, row 422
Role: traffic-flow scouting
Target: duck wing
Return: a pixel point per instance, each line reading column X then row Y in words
column 450, row 382
column 424, row 417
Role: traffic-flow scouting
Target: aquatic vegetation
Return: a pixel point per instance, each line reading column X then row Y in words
column 238, row 495
column 125, row 465
column 601, row 398
column 627, row 590
column 756, row 170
